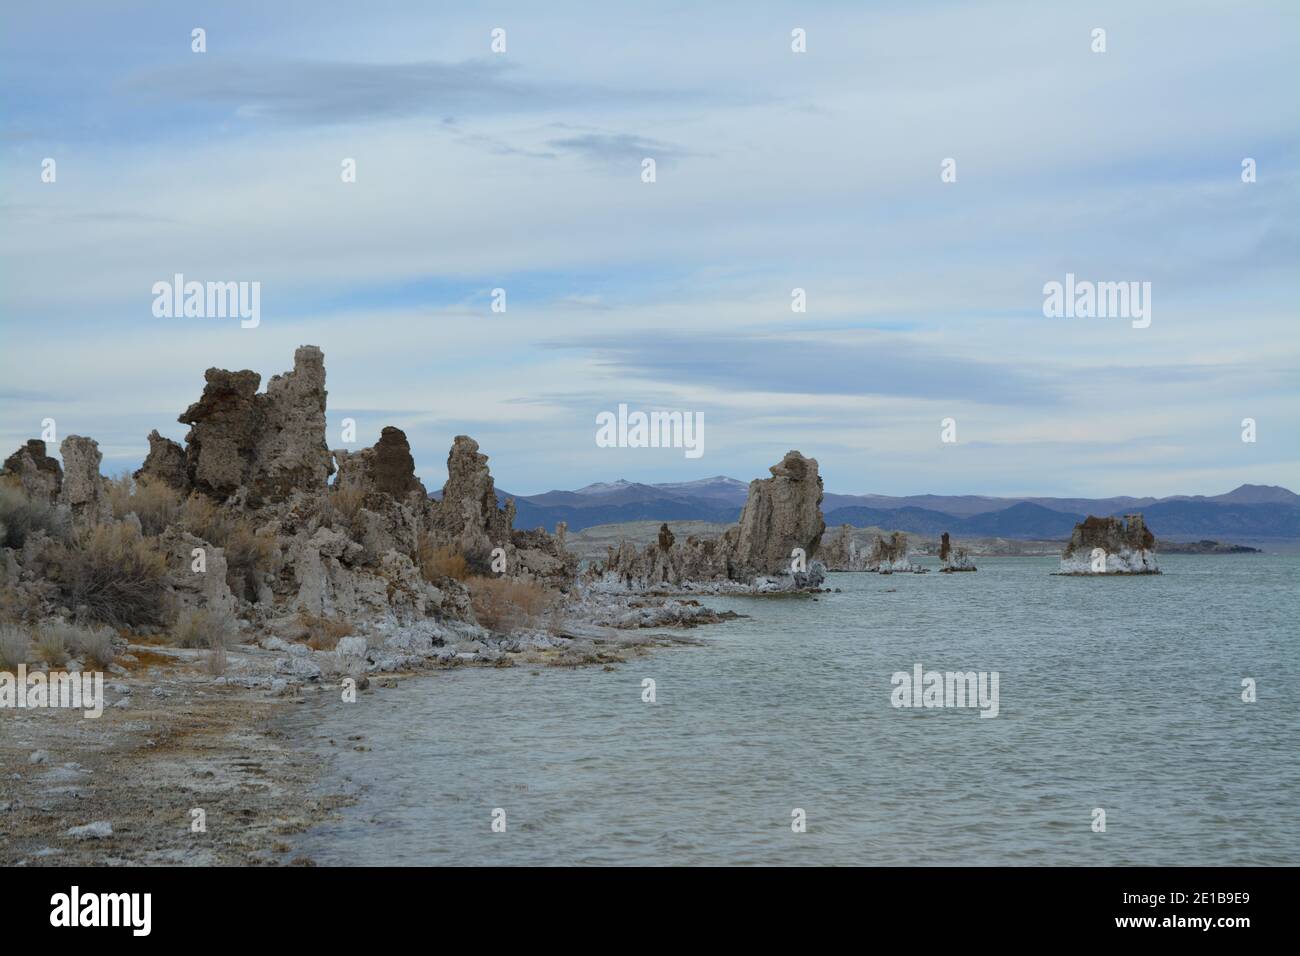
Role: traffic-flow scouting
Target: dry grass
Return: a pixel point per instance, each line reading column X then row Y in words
column 15, row 646
column 505, row 605
column 114, row 574
column 50, row 648
column 343, row 508
column 215, row 661
column 204, row 628
column 202, row 516
column 156, row 505
column 248, row 556
column 19, row 606
column 93, row 644
column 439, row 561
column 325, row 632
column 20, row 516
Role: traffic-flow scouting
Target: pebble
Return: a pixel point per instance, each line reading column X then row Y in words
column 99, row 830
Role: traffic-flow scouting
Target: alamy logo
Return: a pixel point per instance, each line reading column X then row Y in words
column 103, row 909
column 76, row 691
column 208, row 300
column 923, row 688
column 1098, row 300
column 651, row 430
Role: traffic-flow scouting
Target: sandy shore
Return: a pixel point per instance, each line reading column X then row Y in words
column 174, row 739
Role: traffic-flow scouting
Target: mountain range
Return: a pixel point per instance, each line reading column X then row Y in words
column 1250, row 511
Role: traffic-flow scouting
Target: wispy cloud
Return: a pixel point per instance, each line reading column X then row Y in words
column 312, row 93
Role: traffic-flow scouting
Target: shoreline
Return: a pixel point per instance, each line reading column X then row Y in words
column 173, row 739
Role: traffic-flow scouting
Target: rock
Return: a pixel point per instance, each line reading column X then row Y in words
column 953, row 559
column 781, row 514
column 468, row 516
column 841, row 552
column 386, row 468
column 330, row 584
column 302, row 668
column 351, row 647
column 291, row 453
column 225, row 424
column 165, row 463
column 38, row 756
column 889, row 553
column 272, row 443
column 199, row 590
column 83, row 487
column 350, row 656
column 99, row 830
column 40, row 475
column 1111, row 546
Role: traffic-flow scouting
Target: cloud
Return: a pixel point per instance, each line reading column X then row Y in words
column 310, row 93
column 618, row 148
column 864, row 363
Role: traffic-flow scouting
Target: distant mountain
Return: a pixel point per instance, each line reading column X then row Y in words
column 1250, row 511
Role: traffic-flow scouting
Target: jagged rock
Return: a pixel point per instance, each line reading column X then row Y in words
column 291, row 453
column 782, row 513
column 165, row 463
column 953, row 559
column 201, row 590
column 542, row 557
column 889, row 554
column 468, row 516
column 272, row 443
column 333, row 581
column 83, row 487
column 387, row 467
column 395, row 500
column 224, row 427
column 841, row 552
column 1111, row 546
column 40, row 475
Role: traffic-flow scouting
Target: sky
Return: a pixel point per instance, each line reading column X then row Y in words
column 522, row 170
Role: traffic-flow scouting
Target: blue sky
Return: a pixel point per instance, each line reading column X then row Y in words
column 775, row 171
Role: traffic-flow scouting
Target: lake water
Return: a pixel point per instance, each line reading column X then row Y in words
column 1122, row 694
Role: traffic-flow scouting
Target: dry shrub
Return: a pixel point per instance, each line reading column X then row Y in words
column 343, row 506
column 157, row 505
column 19, row 605
column 15, row 646
column 203, row 517
column 440, row 561
column 93, row 644
column 508, row 604
column 215, row 661
column 51, row 648
column 248, row 555
column 20, row 516
column 326, row 632
column 115, row 574
column 204, row 627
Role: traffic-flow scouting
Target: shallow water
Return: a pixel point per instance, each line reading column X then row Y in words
column 1120, row 693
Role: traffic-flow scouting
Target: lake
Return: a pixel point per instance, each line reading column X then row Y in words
column 1121, row 694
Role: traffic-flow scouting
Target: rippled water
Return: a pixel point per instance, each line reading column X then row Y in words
column 1121, row 693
